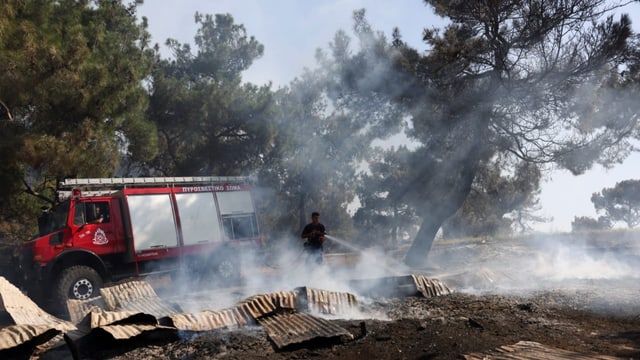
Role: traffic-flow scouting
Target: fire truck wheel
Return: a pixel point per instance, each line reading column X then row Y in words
column 228, row 269
column 78, row 282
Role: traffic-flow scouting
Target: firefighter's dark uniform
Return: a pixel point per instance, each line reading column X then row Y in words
column 313, row 245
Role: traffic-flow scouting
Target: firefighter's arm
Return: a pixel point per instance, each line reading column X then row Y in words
column 309, row 234
column 96, row 221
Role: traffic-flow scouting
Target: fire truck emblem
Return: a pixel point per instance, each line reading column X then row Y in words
column 100, row 238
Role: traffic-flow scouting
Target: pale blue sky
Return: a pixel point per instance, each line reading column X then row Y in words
column 291, row 31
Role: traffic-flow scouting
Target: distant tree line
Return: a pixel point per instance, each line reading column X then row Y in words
column 618, row 204
column 503, row 90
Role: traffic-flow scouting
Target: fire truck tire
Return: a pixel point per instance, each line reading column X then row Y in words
column 78, row 282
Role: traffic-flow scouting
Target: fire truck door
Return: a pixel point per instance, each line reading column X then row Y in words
column 97, row 228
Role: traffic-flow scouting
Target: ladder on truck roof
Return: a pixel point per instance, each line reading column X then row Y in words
column 150, row 181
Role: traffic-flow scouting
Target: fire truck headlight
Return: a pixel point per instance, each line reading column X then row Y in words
column 37, row 258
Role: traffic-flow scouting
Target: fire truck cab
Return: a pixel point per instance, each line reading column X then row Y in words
column 106, row 229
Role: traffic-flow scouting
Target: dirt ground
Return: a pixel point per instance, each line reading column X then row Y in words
column 436, row 328
column 587, row 302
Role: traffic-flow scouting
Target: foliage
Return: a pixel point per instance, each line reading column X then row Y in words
column 494, row 195
column 310, row 167
column 527, row 81
column 207, row 121
column 620, row 203
column 503, row 90
column 380, row 220
column 71, row 90
column 585, row 223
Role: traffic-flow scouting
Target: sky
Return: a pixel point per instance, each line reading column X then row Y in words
column 292, row 30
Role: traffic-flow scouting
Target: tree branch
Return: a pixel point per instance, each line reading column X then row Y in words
column 29, row 190
column 6, row 108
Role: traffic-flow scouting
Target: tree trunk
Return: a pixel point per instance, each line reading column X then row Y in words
column 443, row 188
column 417, row 254
column 438, row 208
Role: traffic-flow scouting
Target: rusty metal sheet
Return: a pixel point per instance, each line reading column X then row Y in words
column 530, row 350
column 264, row 304
column 257, row 306
column 325, row 301
column 152, row 306
column 284, row 299
column 98, row 317
column 136, row 296
column 208, row 320
column 23, row 311
column 78, row 309
column 14, row 335
column 400, row 286
column 122, row 332
column 120, row 295
column 430, row 287
column 288, row 329
column 246, row 312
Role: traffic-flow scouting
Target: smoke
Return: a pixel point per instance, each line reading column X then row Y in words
column 592, row 271
column 565, row 263
column 313, row 154
column 285, row 266
column 597, row 256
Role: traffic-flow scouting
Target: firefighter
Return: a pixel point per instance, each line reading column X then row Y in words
column 98, row 217
column 314, row 232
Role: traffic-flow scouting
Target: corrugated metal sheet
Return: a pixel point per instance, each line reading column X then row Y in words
column 14, row 335
column 285, row 299
column 120, row 295
column 430, row 287
column 153, row 306
column 395, row 286
column 78, row 309
column 208, row 320
column 529, row 350
column 288, row 329
column 260, row 305
column 129, row 309
column 98, row 317
column 24, row 311
column 246, row 312
column 257, row 306
column 121, row 332
column 324, row 301
column 136, row 296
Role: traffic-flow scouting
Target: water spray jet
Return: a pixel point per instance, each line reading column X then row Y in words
column 354, row 248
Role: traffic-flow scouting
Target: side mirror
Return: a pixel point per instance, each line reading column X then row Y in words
column 55, row 239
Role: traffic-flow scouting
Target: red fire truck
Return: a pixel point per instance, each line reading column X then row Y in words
column 106, row 229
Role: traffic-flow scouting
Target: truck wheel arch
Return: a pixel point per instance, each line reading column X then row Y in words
column 71, row 258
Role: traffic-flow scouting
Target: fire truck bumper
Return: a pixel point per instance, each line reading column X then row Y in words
column 28, row 275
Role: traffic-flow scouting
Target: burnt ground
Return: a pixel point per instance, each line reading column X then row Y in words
column 503, row 294
column 436, row 328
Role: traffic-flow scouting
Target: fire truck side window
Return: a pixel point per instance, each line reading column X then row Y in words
column 240, row 226
column 238, row 214
column 97, row 212
column 91, row 213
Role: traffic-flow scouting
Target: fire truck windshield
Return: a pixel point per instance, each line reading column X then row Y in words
column 55, row 219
